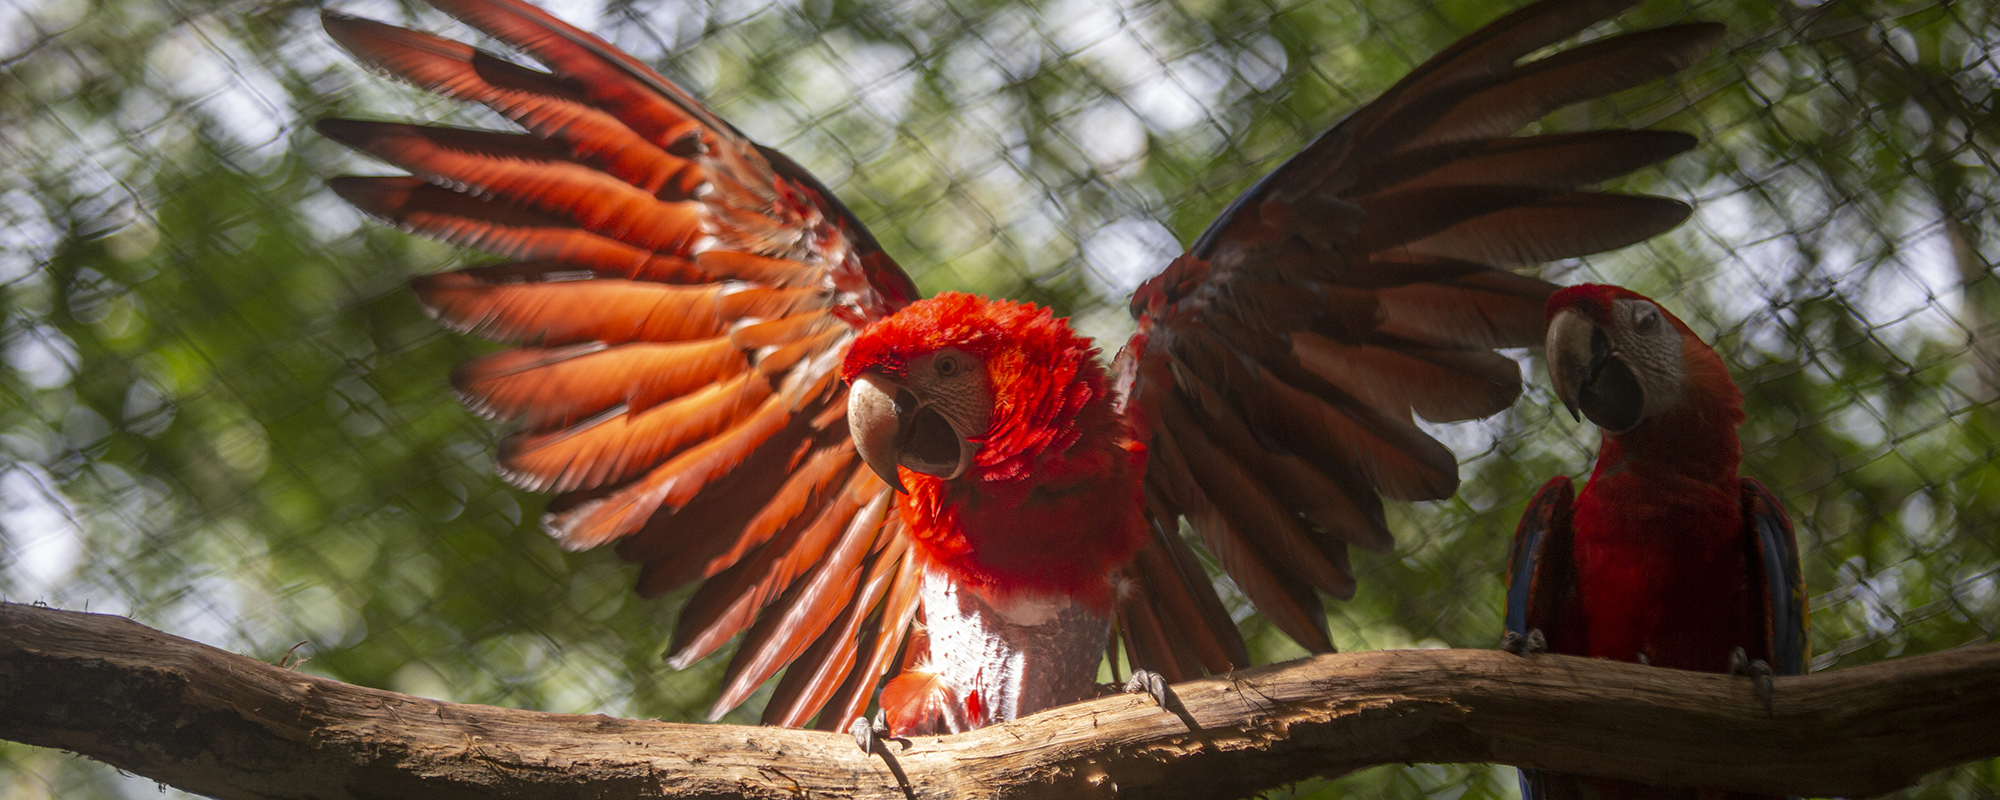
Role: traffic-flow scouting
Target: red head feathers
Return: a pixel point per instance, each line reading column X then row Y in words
column 1025, row 400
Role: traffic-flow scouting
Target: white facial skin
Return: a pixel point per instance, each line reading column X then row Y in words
column 1651, row 348
column 953, row 384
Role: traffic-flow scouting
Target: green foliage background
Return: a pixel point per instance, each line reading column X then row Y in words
column 221, row 415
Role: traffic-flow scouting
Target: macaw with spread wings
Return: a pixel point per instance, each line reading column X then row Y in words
column 718, row 369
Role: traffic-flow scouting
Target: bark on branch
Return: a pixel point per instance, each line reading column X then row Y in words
column 225, row 725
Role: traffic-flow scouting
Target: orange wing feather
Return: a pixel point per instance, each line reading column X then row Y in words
column 682, row 302
column 554, row 387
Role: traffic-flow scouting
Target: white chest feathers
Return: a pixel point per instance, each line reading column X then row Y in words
column 1006, row 657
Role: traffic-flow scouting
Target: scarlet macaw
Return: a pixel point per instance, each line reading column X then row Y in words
column 721, row 371
column 1667, row 556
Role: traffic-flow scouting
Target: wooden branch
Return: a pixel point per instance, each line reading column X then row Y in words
column 225, row 725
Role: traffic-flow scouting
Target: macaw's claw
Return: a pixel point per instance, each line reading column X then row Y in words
column 1535, row 643
column 1762, row 674
column 1151, row 684
column 864, row 734
column 1757, row 670
column 1739, row 662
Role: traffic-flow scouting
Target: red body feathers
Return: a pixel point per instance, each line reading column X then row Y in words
column 1661, row 553
column 1667, row 556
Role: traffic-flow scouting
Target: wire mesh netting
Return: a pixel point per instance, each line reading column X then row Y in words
column 222, row 415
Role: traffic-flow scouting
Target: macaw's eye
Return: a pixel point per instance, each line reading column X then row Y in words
column 1649, row 320
column 947, row 366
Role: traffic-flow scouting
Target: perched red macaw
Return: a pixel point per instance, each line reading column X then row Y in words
column 721, row 371
column 1667, row 556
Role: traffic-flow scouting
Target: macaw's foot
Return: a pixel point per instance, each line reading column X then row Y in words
column 1151, row 684
column 1154, row 685
column 870, row 734
column 1759, row 672
column 1532, row 644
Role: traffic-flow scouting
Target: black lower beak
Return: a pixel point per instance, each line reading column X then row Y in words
column 1610, row 396
column 1593, row 381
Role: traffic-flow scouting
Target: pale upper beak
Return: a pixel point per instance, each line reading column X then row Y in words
column 1589, row 376
column 892, row 426
column 875, row 421
column 1567, row 351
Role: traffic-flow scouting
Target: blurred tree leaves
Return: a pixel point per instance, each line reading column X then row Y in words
column 220, row 413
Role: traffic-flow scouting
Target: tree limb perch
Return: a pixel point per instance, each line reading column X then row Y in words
column 225, row 725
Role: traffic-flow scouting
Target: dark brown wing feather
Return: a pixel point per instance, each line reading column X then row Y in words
column 1156, row 633
column 682, row 300
column 1280, row 363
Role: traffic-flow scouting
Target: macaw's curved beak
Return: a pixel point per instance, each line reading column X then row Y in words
column 1589, row 376
column 892, row 426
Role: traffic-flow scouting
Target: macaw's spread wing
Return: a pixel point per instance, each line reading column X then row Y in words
column 1778, row 578
column 679, row 306
column 1279, row 362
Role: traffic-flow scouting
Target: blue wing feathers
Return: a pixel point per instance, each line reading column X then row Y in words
column 1782, row 583
column 1533, row 584
column 1538, row 578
